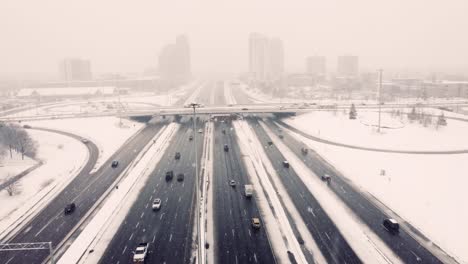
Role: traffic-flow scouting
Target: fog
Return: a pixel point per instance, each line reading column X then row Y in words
column 128, row 35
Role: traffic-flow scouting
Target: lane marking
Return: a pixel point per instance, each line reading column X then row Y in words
column 130, row 238
column 123, row 251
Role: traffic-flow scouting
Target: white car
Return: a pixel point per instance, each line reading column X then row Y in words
column 200, row 130
column 156, row 204
column 139, row 255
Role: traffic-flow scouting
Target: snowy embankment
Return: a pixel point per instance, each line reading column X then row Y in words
column 428, row 191
column 278, row 228
column 14, row 165
column 362, row 240
column 63, row 158
column 106, row 132
column 104, row 224
column 206, row 222
column 402, row 135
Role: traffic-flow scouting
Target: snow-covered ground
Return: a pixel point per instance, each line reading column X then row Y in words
column 105, row 132
column 63, row 158
column 426, row 190
column 401, row 134
column 14, row 165
column 99, row 231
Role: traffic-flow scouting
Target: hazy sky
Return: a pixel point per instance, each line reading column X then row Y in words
column 128, row 35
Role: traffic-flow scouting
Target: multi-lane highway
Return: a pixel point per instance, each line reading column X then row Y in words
column 403, row 244
column 168, row 230
column 84, row 190
column 235, row 239
column 328, row 238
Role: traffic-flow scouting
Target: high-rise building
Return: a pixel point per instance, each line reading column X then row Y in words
column 73, row 69
column 174, row 60
column 266, row 58
column 316, row 65
column 348, row 66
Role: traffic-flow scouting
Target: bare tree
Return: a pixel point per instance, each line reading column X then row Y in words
column 14, row 188
column 16, row 138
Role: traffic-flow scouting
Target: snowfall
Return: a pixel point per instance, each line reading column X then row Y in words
column 428, row 191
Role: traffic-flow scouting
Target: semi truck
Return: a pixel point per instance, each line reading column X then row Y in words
column 249, row 190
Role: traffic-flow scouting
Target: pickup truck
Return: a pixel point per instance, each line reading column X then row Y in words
column 140, row 253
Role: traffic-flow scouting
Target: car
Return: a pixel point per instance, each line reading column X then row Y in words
column 190, row 137
column 232, row 183
column 281, row 107
column 244, row 109
column 226, row 147
column 140, row 253
column 114, row 164
column 326, row 177
column 156, row 204
column 285, row 163
column 224, row 131
column 200, row 130
column 84, row 140
column 69, row 208
column 180, row 177
column 391, row 225
column 304, row 150
column 255, row 223
column 169, row 175
column 281, row 136
column 26, row 126
column 177, row 155
column 270, row 143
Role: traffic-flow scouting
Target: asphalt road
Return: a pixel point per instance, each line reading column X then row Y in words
column 168, row 230
column 404, row 245
column 235, row 240
column 328, row 238
column 84, row 190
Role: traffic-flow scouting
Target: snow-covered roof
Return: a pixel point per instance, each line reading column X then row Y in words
column 66, row 91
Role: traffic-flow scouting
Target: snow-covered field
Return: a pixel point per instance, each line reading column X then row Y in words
column 105, row 132
column 402, row 134
column 11, row 166
column 426, row 190
column 63, row 158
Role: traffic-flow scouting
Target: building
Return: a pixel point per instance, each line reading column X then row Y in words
column 348, row 66
column 174, row 60
column 74, row 69
column 316, row 66
column 266, row 58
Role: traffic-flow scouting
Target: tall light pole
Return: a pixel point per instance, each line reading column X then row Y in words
column 197, row 184
column 380, row 96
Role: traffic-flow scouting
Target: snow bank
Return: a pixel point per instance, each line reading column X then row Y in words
column 428, row 191
column 63, row 158
column 99, row 231
column 279, row 230
column 404, row 135
column 11, row 166
column 97, row 129
column 206, row 222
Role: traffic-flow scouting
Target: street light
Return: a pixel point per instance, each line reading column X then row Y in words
column 197, row 191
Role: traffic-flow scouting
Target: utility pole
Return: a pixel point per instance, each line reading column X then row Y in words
column 197, row 184
column 380, row 96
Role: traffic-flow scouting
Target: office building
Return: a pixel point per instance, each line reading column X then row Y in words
column 74, row 69
column 266, row 58
column 174, row 60
column 348, row 66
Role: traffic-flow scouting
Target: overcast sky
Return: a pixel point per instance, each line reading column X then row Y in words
column 128, row 35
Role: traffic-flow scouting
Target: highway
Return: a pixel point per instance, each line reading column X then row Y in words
column 328, row 238
column 168, row 230
column 403, row 244
column 84, row 190
column 235, row 240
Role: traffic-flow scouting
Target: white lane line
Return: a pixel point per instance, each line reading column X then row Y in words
column 232, row 231
column 147, row 205
column 161, row 216
column 137, row 224
column 327, row 236
column 10, row 260
column 123, row 251
column 179, row 198
column 45, row 226
column 151, row 197
column 130, row 238
column 154, row 238
column 250, row 233
column 417, row 257
column 170, row 238
column 142, row 214
column 255, row 257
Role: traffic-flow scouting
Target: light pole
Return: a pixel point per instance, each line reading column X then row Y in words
column 380, row 97
column 197, row 185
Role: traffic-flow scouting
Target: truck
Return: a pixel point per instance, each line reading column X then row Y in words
column 249, row 190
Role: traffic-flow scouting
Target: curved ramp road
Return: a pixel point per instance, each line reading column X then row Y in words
column 235, row 240
column 51, row 224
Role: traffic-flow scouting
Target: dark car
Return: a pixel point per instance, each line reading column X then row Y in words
column 177, row 155
column 281, row 136
column 26, row 126
column 270, row 143
column 114, row 164
column 244, row 109
column 70, row 208
column 226, row 147
column 286, row 164
column 180, row 177
column 391, row 225
column 169, row 175
column 304, row 150
column 190, row 137
column 224, row 131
